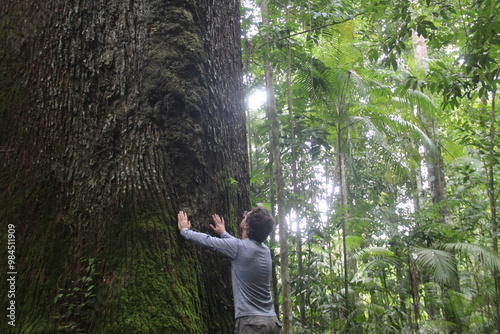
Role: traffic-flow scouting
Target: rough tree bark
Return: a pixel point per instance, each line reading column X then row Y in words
column 114, row 115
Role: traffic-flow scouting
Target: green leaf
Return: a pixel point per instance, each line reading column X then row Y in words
column 442, row 263
column 56, row 298
column 479, row 253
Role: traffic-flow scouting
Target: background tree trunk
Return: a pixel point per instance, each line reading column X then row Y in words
column 114, row 115
column 298, row 212
column 435, row 171
column 272, row 115
column 493, row 204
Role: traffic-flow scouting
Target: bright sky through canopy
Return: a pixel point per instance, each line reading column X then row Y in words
column 256, row 99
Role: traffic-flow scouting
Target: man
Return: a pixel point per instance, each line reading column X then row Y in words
column 251, row 268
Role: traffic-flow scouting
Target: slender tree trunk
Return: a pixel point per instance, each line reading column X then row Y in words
column 300, row 278
column 312, row 319
column 115, row 115
column 419, row 195
column 435, row 171
column 435, row 167
column 280, row 188
column 250, row 138
column 491, row 175
column 282, row 224
column 403, row 295
column 492, row 198
column 344, row 201
column 272, row 201
column 415, row 296
column 420, row 49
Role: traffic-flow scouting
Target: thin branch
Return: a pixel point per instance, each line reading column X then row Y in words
column 285, row 7
column 321, row 27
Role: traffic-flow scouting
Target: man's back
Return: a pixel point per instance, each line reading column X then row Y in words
column 251, row 268
column 251, row 271
column 251, row 274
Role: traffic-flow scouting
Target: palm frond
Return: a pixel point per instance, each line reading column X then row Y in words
column 314, row 83
column 441, row 262
column 354, row 242
column 381, row 125
column 373, row 259
column 378, row 252
column 380, row 131
column 451, row 148
column 480, row 253
column 402, row 126
column 358, row 82
column 473, row 162
column 424, row 104
column 368, row 123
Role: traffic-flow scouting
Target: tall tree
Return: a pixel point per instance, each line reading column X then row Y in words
column 115, row 115
column 493, row 204
column 280, row 188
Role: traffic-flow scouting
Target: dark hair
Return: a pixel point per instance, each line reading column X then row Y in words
column 260, row 224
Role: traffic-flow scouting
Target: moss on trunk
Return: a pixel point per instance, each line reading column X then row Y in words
column 114, row 116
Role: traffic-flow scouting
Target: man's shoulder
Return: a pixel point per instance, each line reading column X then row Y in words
column 254, row 244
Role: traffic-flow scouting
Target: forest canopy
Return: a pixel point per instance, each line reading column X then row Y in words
column 389, row 154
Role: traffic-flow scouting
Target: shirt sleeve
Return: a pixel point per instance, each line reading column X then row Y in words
column 226, row 234
column 227, row 244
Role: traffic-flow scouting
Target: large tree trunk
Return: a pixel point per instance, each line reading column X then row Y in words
column 114, row 115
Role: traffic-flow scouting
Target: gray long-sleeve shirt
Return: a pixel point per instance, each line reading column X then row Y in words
column 251, row 271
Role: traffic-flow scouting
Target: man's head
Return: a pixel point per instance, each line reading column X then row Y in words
column 259, row 222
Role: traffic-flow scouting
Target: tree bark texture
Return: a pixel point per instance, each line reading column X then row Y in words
column 114, row 115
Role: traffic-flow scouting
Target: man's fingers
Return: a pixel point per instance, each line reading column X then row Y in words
column 182, row 218
column 217, row 219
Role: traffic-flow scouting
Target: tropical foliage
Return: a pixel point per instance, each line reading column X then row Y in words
column 390, row 159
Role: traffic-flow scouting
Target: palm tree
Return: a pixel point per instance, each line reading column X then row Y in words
column 349, row 105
